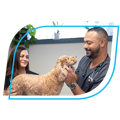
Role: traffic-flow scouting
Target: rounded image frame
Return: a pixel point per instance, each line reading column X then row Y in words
column 81, row 98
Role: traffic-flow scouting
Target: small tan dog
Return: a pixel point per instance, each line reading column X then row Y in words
column 47, row 84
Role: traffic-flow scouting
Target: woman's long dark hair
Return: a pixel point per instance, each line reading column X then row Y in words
column 17, row 62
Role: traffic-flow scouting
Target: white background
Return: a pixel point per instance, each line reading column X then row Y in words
column 48, row 33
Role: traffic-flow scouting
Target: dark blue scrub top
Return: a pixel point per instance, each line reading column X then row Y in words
column 84, row 72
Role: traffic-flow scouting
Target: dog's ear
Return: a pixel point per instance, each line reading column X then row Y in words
column 62, row 74
column 61, row 63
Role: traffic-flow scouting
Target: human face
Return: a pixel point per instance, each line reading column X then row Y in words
column 92, row 44
column 24, row 58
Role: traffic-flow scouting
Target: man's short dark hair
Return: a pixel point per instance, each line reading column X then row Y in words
column 101, row 31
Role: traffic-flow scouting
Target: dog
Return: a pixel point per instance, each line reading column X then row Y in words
column 47, row 84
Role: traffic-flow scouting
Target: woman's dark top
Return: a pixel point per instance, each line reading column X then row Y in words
column 7, row 79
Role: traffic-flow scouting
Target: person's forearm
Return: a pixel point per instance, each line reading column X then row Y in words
column 77, row 90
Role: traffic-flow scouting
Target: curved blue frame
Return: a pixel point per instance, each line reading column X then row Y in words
column 64, row 98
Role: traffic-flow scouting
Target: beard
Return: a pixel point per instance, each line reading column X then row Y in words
column 92, row 53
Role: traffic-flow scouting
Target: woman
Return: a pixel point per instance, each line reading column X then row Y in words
column 21, row 66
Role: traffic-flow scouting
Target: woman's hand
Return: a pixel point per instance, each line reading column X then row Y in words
column 13, row 92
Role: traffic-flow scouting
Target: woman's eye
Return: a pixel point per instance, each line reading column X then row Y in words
column 22, row 56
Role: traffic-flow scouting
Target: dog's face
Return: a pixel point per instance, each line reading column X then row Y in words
column 65, row 61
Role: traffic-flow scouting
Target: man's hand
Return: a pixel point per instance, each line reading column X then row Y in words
column 73, row 68
column 70, row 76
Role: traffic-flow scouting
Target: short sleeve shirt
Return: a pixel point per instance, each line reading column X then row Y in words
column 97, row 73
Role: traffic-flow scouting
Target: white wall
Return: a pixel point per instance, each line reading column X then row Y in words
column 43, row 57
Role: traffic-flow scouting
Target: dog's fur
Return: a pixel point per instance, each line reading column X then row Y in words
column 47, row 84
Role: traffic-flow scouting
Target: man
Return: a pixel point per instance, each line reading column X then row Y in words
column 93, row 67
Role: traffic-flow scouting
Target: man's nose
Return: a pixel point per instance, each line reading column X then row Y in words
column 85, row 46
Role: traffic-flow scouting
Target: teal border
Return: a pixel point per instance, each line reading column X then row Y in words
column 65, row 98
